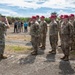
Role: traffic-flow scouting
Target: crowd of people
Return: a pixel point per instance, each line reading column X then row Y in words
column 20, row 26
column 65, row 27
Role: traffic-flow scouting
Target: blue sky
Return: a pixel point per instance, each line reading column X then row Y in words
column 28, row 8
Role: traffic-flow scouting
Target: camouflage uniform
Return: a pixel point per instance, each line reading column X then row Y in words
column 43, row 31
column 3, row 27
column 34, row 32
column 73, row 39
column 38, row 22
column 53, row 35
column 67, row 34
column 60, row 22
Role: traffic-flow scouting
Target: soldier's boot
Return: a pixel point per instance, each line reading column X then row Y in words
column 34, row 53
column 66, row 58
column 59, row 46
column 3, row 57
column 40, row 46
column 43, row 47
column 63, row 58
column 52, row 52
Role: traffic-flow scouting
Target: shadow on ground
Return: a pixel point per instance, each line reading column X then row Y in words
column 27, row 60
column 66, row 68
column 28, row 44
column 41, row 51
column 50, row 58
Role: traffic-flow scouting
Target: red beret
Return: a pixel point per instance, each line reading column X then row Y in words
column 53, row 16
column 33, row 17
column 37, row 16
column 61, row 16
column 66, row 16
column 71, row 15
column 42, row 17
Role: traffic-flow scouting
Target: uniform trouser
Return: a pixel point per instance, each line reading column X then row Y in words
column 35, row 43
column 39, row 39
column 60, row 36
column 53, row 41
column 15, row 28
column 43, row 40
column 65, row 44
column 2, row 47
column 73, row 43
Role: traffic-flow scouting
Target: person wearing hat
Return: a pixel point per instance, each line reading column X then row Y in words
column 53, row 34
column 3, row 26
column 72, row 21
column 43, row 32
column 38, row 19
column 56, row 18
column 60, row 22
column 34, row 35
column 66, row 33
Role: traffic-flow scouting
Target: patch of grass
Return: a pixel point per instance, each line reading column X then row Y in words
column 18, row 37
column 17, row 48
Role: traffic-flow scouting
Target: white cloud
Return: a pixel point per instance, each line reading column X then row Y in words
column 47, row 3
column 20, row 3
column 8, row 12
column 63, row 12
column 24, row 4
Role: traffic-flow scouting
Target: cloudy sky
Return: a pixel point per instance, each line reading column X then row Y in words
column 27, row 8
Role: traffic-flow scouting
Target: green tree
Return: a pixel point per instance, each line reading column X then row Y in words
column 47, row 20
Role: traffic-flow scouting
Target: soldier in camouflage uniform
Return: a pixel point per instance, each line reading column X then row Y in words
column 43, row 32
column 38, row 19
column 72, row 21
column 34, row 35
column 67, row 34
column 3, row 27
column 53, row 34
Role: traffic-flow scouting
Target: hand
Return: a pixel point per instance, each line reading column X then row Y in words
column 6, row 19
column 7, row 22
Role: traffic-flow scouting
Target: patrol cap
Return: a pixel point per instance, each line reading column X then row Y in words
column 42, row 17
column 66, row 16
column 33, row 17
column 37, row 16
column 71, row 15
